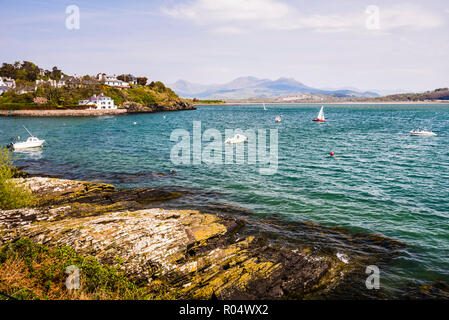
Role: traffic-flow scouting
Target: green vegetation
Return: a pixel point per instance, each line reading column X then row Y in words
column 156, row 93
column 438, row 94
column 32, row 271
column 12, row 196
column 206, row 102
column 47, row 97
column 28, row 72
column 64, row 96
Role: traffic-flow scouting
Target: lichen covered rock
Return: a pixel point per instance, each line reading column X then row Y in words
column 193, row 254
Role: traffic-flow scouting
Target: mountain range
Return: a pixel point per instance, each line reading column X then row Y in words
column 252, row 87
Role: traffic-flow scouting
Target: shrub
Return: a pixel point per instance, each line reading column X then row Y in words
column 40, row 273
column 12, row 196
column 40, row 100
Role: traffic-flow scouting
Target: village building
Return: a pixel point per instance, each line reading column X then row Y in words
column 132, row 79
column 7, row 82
column 112, row 81
column 116, row 83
column 98, row 102
column 51, row 82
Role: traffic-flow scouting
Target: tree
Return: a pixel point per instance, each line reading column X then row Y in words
column 142, row 81
column 158, row 86
column 56, row 74
column 30, row 71
column 8, row 70
column 124, row 77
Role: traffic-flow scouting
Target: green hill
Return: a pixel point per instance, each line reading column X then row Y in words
column 151, row 97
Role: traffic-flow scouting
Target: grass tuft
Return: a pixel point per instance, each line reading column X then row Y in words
column 33, row 271
column 12, row 196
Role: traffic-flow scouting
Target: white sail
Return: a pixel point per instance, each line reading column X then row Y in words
column 264, row 107
column 321, row 114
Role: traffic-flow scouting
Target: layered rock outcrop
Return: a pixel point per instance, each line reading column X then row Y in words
column 194, row 254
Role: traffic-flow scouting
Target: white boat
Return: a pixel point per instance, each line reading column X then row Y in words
column 238, row 138
column 422, row 133
column 278, row 119
column 320, row 117
column 264, row 107
column 32, row 142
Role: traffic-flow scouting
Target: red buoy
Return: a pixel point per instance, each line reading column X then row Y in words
column 332, row 154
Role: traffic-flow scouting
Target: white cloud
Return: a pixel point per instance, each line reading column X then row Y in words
column 204, row 11
column 237, row 16
column 409, row 16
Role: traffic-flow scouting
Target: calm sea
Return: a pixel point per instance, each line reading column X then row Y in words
column 381, row 179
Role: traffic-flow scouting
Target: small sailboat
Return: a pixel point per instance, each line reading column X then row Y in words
column 32, row 142
column 278, row 119
column 238, row 138
column 264, row 107
column 320, row 117
column 422, row 133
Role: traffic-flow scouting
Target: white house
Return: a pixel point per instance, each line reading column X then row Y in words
column 7, row 82
column 112, row 81
column 116, row 83
column 52, row 83
column 100, row 102
column 132, row 79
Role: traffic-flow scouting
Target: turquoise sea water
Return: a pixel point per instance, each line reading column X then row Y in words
column 381, row 180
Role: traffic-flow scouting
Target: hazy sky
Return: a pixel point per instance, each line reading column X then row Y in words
column 320, row 43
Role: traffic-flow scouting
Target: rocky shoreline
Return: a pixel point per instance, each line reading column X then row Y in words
column 128, row 108
column 193, row 254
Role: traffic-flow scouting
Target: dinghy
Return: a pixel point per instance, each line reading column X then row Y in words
column 422, row 133
column 238, row 138
column 278, row 119
column 32, row 142
column 320, row 117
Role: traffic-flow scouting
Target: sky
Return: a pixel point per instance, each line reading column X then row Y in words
column 321, row 43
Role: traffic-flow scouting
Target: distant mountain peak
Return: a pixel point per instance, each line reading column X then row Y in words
column 252, row 87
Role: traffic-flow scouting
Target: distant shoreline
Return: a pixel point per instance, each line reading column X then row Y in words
column 343, row 103
column 325, row 103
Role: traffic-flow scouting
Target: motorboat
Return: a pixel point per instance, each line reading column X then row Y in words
column 422, row 133
column 31, row 142
column 278, row 119
column 238, row 138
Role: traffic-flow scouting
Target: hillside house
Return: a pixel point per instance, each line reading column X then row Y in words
column 98, row 102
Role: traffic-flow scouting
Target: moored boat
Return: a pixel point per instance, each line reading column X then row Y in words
column 422, row 133
column 31, row 142
column 238, row 138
